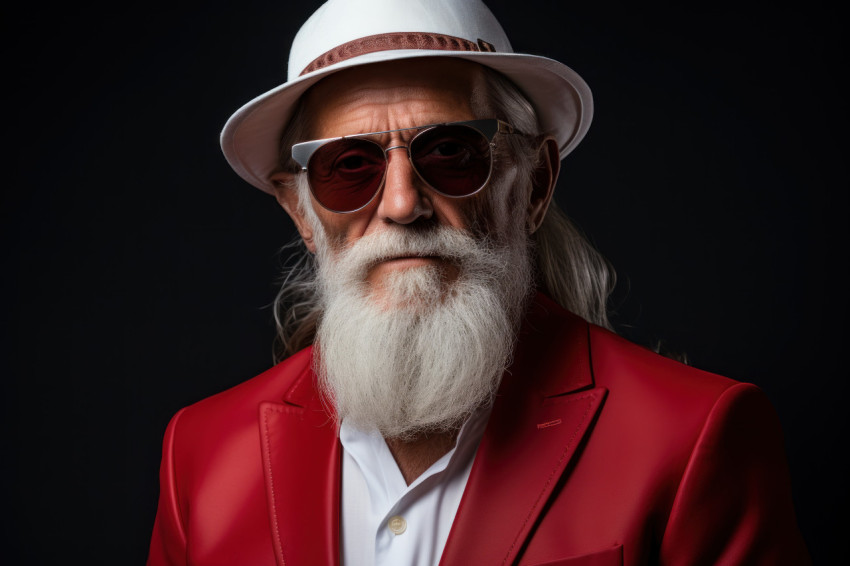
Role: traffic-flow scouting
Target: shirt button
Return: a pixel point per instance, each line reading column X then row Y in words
column 397, row 524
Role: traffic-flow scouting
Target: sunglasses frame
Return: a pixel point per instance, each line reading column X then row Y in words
column 303, row 152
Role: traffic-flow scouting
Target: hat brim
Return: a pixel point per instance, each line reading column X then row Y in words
column 562, row 99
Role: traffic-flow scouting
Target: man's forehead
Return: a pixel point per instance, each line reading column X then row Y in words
column 394, row 95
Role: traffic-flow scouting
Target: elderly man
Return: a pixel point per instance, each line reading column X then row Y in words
column 451, row 394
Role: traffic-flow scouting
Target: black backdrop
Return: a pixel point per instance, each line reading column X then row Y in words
column 137, row 266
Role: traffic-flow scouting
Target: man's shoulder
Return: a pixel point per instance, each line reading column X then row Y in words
column 635, row 377
column 241, row 402
column 657, row 392
column 217, row 439
column 617, row 361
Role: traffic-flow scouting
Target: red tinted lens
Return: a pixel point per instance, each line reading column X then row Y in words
column 345, row 174
column 454, row 160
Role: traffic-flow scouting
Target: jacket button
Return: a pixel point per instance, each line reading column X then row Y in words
column 397, row 524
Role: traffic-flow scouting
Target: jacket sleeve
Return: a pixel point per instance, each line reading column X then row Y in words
column 733, row 505
column 168, row 542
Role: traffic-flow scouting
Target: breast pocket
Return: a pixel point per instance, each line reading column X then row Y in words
column 608, row 557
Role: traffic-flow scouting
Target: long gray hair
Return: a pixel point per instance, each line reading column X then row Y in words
column 567, row 266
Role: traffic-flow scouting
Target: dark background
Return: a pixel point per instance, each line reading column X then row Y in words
column 138, row 267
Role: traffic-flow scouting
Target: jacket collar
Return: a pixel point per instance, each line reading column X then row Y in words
column 545, row 406
column 301, row 465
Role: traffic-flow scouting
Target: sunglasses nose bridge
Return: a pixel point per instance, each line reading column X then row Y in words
column 402, row 199
column 389, row 149
column 409, row 159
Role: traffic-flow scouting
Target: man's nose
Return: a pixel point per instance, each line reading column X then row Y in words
column 403, row 199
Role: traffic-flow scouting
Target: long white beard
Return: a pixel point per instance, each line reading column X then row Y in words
column 430, row 352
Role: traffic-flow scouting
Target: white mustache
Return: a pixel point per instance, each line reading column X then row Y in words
column 441, row 241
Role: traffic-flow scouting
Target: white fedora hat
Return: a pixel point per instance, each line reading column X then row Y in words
column 343, row 34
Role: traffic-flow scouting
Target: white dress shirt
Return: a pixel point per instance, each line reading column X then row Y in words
column 384, row 520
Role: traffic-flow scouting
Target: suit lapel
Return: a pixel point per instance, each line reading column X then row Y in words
column 301, row 461
column 545, row 407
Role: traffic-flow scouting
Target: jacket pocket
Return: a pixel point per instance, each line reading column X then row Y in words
column 608, row 557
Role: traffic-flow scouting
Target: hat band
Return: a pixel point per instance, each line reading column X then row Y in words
column 392, row 41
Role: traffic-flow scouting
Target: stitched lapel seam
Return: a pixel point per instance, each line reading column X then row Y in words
column 589, row 412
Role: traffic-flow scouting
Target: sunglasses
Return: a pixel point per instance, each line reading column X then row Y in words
column 454, row 159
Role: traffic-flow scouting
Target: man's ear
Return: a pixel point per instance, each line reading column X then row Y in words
column 543, row 180
column 286, row 193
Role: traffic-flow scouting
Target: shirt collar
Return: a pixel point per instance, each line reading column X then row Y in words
column 380, row 470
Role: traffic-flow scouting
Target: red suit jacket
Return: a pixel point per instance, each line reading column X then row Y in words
column 598, row 452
